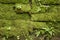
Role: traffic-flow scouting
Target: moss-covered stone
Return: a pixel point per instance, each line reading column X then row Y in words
column 39, row 25
column 46, row 17
column 50, row 1
column 7, row 12
column 14, row 1
column 45, row 8
column 31, row 8
column 22, row 27
column 6, row 7
column 36, row 9
column 15, row 19
column 13, row 16
column 54, row 8
column 22, row 7
column 14, row 27
column 4, row 23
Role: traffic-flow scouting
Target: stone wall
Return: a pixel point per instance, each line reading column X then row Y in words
column 15, row 20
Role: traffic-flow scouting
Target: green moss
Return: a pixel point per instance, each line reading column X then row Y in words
column 50, row 1
column 6, row 7
column 46, row 17
column 15, row 27
column 23, row 24
column 14, row 1
column 22, row 16
column 39, row 25
column 53, row 8
column 5, row 23
column 23, row 7
column 12, row 16
column 35, row 9
column 7, row 12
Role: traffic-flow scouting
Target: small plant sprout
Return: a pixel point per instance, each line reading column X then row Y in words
column 18, row 6
column 9, row 28
column 18, row 37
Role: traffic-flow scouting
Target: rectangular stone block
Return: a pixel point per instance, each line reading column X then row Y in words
column 14, row 1
column 50, row 1
column 7, row 12
column 51, row 8
column 14, row 23
column 18, row 27
column 13, row 16
column 4, row 23
column 6, row 7
column 46, row 17
column 39, row 25
column 22, row 16
column 45, row 8
column 42, row 25
column 36, row 9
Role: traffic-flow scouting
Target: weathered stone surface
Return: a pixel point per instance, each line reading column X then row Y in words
column 46, row 17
